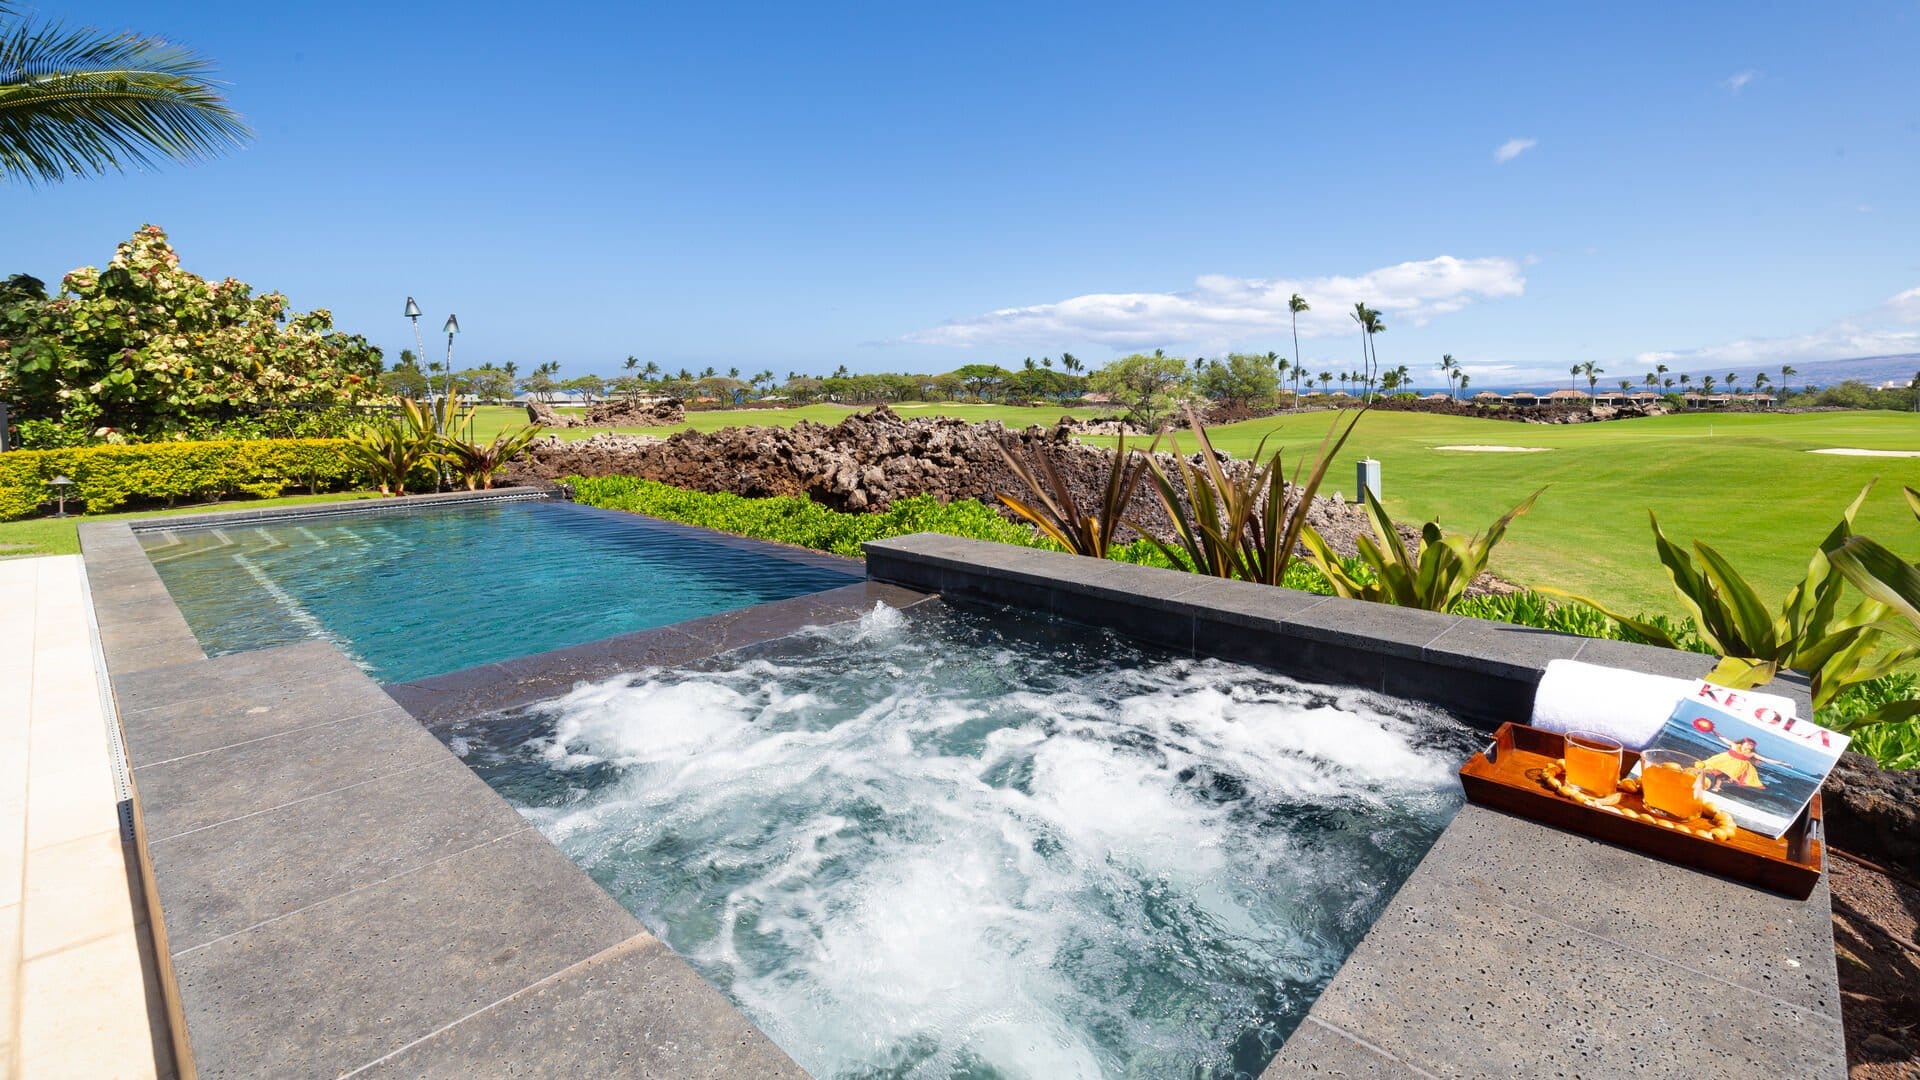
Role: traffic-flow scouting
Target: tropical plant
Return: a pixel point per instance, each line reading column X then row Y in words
column 393, row 449
column 1433, row 578
column 1807, row 635
column 82, row 102
column 477, row 464
column 1058, row 515
column 1593, row 373
column 1892, row 581
column 1242, row 522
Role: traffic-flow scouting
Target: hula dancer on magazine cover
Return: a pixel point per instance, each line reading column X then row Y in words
column 1738, row 764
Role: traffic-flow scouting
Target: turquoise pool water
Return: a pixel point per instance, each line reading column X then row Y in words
column 414, row 593
column 979, row 844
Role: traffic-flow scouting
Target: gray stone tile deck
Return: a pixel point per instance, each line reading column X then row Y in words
column 1514, row 949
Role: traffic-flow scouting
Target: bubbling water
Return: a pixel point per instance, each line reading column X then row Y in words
column 975, row 844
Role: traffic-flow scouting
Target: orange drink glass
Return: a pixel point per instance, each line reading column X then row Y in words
column 1670, row 784
column 1593, row 763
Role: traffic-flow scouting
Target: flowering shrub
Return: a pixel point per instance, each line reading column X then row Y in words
column 154, row 348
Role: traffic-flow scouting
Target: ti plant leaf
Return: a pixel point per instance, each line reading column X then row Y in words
column 1057, row 514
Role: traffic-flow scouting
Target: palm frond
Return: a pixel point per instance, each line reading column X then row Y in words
column 81, row 102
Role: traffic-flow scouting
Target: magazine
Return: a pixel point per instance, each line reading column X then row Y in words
column 1761, row 766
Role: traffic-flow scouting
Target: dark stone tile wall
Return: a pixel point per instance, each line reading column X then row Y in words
column 1483, row 672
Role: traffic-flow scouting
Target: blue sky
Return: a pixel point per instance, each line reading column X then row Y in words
column 799, row 186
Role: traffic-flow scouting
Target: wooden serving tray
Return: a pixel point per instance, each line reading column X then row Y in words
column 1507, row 777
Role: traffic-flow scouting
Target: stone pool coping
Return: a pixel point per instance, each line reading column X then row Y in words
column 1513, row 949
column 333, row 890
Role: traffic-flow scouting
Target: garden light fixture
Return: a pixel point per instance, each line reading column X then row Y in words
column 60, row 484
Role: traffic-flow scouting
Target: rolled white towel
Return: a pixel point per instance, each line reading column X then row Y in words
column 1626, row 706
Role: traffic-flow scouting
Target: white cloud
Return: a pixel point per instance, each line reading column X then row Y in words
column 1513, row 148
column 1739, row 81
column 1889, row 329
column 1222, row 309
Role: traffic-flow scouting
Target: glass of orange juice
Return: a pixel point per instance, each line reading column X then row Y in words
column 1593, row 763
column 1670, row 784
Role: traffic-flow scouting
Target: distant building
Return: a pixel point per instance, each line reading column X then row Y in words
column 1523, row 397
column 1569, row 397
column 1488, row 396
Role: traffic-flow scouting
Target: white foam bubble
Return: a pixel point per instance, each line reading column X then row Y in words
column 927, row 854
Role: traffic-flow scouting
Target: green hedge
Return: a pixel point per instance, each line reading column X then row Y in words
column 107, row 477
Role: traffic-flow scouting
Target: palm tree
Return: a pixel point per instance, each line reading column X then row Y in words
column 1573, row 377
column 1652, row 379
column 1787, row 371
column 1449, row 367
column 1625, row 385
column 1294, row 307
column 1366, row 318
column 1374, row 327
column 512, row 369
column 1464, row 377
column 1659, row 369
column 1706, row 384
column 1047, row 362
column 650, row 371
column 1667, row 383
column 1326, row 380
column 82, row 102
column 1685, row 379
column 1593, row 374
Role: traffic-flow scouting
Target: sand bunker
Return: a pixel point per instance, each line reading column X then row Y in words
column 1476, row 449
column 1849, row 451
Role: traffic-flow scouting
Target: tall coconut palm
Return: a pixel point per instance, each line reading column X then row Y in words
column 83, row 102
column 1295, row 306
column 1652, row 379
column 1573, row 377
column 1326, row 380
column 1593, row 373
column 1370, row 325
column 1450, row 368
column 1706, row 384
column 1685, row 379
column 1787, row 371
column 1464, row 377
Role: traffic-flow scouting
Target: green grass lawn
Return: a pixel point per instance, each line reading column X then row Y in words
column 59, row 536
column 490, row 420
column 1743, row 483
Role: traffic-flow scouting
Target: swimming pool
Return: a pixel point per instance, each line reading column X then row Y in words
column 414, row 593
column 964, row 842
